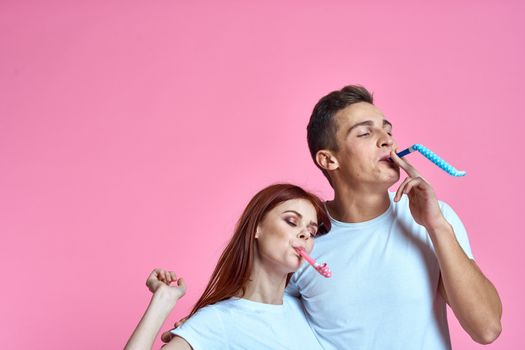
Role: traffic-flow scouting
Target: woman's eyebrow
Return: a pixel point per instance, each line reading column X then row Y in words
column 293, row 211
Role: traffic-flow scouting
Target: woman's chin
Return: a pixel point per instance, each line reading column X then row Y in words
column 296, row 264
column 288, row 265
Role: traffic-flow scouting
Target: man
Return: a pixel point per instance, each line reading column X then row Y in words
column 397, row 258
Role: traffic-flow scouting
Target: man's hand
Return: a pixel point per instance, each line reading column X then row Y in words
column 167, row 336
column 423, row 203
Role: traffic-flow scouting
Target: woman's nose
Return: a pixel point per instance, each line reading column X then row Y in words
column 304, row 234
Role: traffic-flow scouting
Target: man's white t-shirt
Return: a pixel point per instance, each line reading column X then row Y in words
column 384, row 290
column 243, row 324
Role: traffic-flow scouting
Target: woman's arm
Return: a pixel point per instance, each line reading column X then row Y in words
column 163, row 301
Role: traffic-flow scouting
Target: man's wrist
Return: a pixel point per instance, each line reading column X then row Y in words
column 440, row 227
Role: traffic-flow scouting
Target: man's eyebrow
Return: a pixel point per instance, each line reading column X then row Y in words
column 299, row 215
column 368, row 123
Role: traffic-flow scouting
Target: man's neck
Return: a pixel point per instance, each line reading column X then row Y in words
column 358, row 204
column 265, row 285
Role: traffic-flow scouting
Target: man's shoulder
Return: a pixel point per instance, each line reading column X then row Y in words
column 291, row 302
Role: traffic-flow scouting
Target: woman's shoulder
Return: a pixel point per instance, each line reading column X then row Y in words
column 216, row 311
column 213, row 310
column 204, row 330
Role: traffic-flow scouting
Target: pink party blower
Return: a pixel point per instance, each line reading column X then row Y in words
column 321, row 268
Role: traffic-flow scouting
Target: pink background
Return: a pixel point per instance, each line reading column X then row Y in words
column 133, row 133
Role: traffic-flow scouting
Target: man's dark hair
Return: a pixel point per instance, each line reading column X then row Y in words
column 322, row 126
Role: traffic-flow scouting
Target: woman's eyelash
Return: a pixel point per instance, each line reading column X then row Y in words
column 291, row 223
column 313, row 232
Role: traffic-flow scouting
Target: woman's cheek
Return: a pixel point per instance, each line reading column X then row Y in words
column 310, row 245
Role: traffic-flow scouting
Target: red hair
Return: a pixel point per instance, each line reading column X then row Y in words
column 235, row 264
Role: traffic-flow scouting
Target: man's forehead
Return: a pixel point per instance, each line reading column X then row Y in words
column 358, row 113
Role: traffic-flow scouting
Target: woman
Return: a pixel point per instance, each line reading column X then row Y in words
column 244, row 305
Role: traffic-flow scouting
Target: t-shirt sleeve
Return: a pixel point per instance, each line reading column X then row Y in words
column 204, row 330
column 459, row 228
column 292, row 289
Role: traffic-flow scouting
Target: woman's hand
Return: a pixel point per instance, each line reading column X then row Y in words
column 159, row 281
column 164, row 299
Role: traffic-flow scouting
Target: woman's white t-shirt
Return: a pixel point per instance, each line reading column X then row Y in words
column 243, row 324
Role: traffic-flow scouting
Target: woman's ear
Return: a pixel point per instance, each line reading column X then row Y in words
column 326, row 160
column 257, row 232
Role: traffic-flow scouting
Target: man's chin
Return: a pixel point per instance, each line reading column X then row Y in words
column 392, row 178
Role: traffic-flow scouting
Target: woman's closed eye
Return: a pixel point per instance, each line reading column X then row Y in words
column 291, row 222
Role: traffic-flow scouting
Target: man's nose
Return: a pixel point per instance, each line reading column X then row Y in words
column 386, row 140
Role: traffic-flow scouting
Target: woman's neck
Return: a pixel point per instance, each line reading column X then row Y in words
column 265, row 285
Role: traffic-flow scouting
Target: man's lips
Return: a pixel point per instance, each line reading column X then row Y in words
column 388, row 161
column 386, row 158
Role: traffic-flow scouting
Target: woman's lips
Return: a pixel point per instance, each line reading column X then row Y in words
column 296, row 250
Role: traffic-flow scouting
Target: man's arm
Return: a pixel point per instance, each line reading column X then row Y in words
column 472, row 297
column 469, row 293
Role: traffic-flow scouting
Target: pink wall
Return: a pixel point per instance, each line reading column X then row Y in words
column 133, row 133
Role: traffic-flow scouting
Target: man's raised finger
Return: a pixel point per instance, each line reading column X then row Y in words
column 404, row 164
column 400, row 189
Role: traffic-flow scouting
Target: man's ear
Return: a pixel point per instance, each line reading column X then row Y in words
column 326, row 160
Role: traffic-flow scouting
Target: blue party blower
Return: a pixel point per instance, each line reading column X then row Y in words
column 434, row 158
